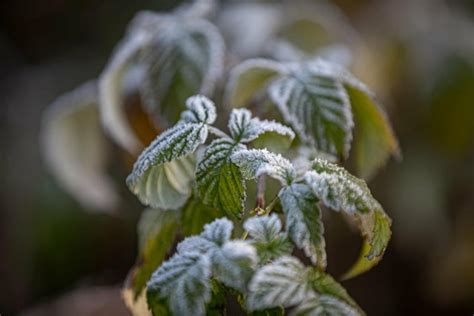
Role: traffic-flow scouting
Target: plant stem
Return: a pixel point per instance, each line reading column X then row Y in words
column 261, row 192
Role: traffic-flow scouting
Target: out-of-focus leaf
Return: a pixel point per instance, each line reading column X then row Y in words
column 156, row 233
column 196, row 214
column 374, row 140
column 136, row 306
column 248, row 78
column 185, row 58
column 75, row 148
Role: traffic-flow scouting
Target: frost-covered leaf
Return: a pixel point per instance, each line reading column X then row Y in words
column 322, row 305
column 323, row 283
column 248, row 79
column 185, row 58
column 234, row 264
column 196, row 214
column 199, row 109
column 374, row 140
column 282, row 282
column 267, row 237
column 375, row 227
column 75, row 148
column 219, row 231
column 184, row 281
column 219, row 181
column 255, row 162
column 243, row 128
column 317, row 106
column 156, row 232
column 303, row 221
column 340, row 190
column 162, row 175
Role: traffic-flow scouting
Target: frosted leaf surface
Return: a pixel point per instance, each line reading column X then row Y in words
column 340, row 190
column 199, row 110
column 75, row 148
column 317, row 106
column 184, row 281
column 255, row 162
column 243, row 128
column 234, row 264
column 322, row 305
column 267, row 237
column 303, row 221
column 219, row 180
column 282, row 282
column 163, row 155
column 219, row 231
column 186, row 57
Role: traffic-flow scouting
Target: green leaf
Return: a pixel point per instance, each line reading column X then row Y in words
column 243, row 128
column 255, row 162
column 249, row 78
column 316, row 105
column 267, row 237
column 156, row 233
column 376, row 229
column 323, row 283
column 303, row 221
column 219, row 181
column 322, row 305
column 75, row 148
column 282, row 282
column 186, row 58
column 374, row 140
column 159, row 177
column 340, row 190
column 184, row 281
column 195, row 215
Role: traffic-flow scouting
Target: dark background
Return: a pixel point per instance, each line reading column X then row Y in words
column 51, row 247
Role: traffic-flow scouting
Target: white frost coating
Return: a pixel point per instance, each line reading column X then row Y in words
column 282, row 282
column 340, row 190
column 219, row 231
column 75, row 149
column 255, row 162
column 184, row 281
column 321, row 305
column 195, row 244
column 316, row 104
column 303, row 221
column 199, row 110
column 234, row 264
column 163, row 174
column 263, row 228
column 244, row 128
column 111, row 94
column 248, row 78
column 197, row 9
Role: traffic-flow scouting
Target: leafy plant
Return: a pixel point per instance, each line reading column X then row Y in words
column 209, row 184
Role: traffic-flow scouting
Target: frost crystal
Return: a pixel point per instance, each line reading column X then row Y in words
column 303, row 221
column 340, row 190
column 199, row 110
column 255, row 162
column 244, row 128
column 282, row 282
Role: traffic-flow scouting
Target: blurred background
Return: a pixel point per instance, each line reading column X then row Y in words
column 57, row 257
